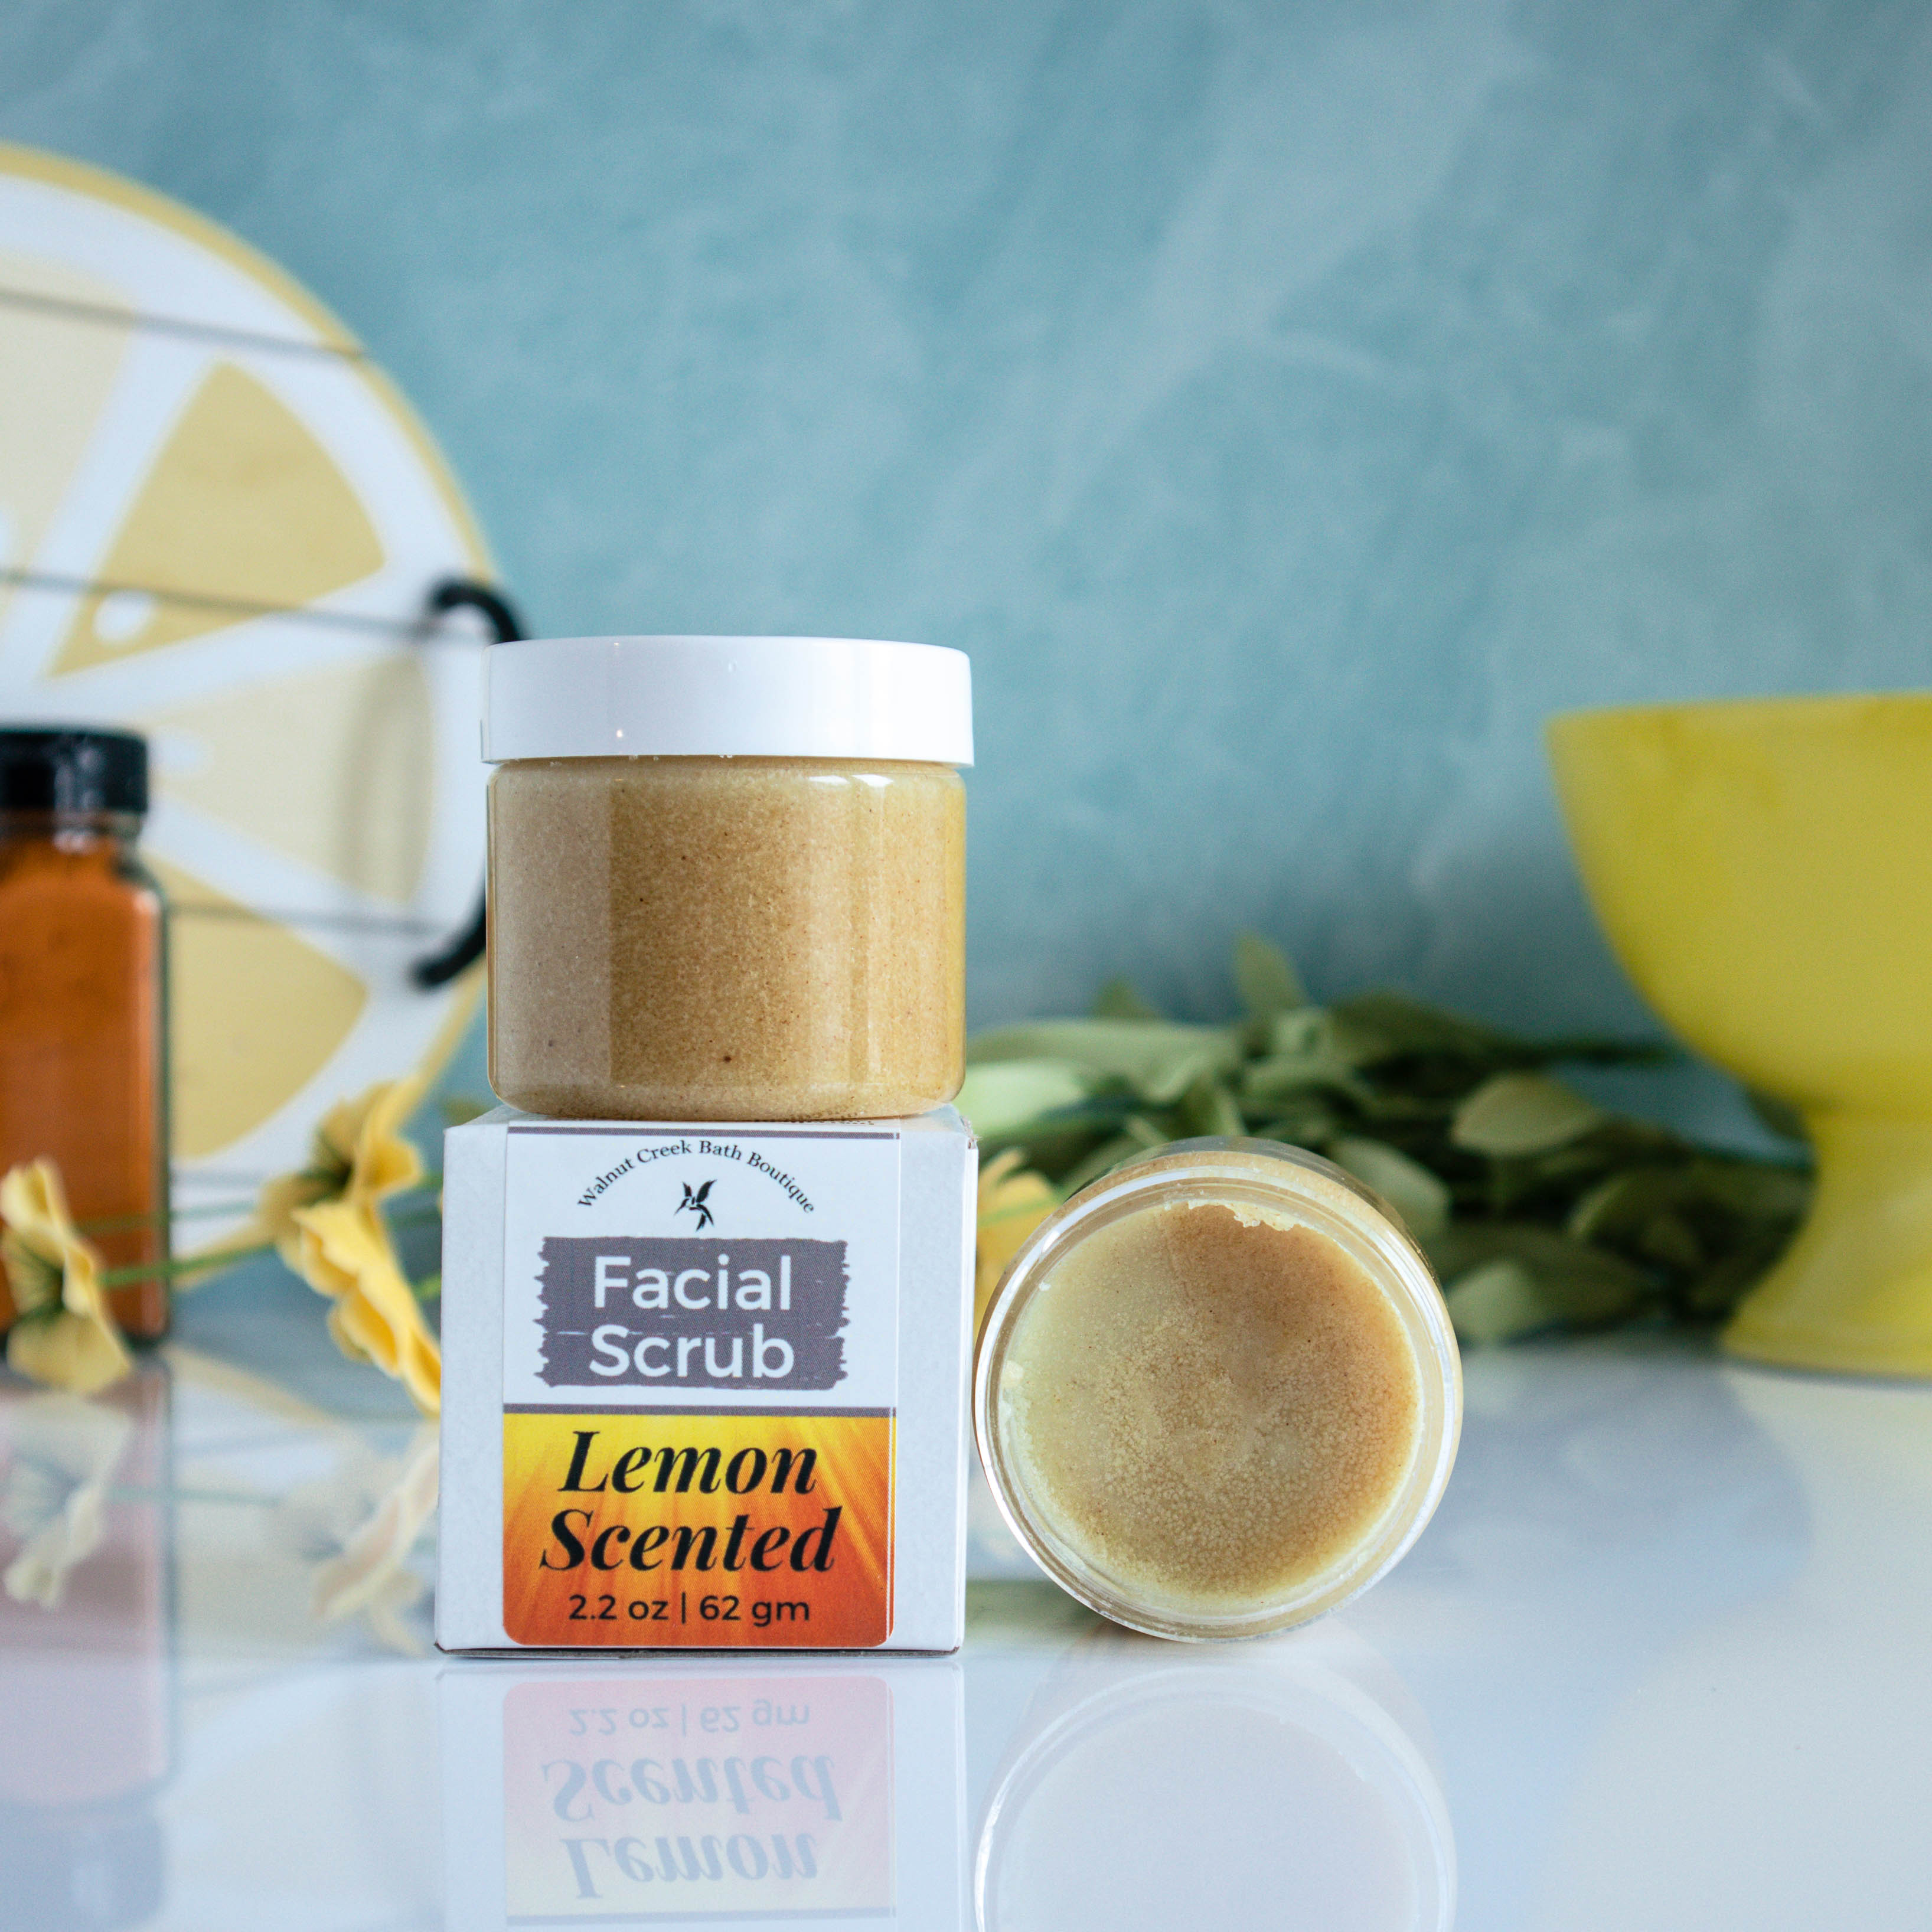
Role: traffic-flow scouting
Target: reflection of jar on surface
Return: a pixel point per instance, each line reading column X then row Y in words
column 1261, row 1785
column 726, row 877
column 82, row 1076
column 87, row 1718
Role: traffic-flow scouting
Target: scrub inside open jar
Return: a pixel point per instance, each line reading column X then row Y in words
column 1210, row 1404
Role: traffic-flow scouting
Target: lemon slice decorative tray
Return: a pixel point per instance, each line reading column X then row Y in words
column 218, row 526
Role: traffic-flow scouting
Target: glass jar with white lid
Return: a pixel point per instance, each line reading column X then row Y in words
column 726, row 877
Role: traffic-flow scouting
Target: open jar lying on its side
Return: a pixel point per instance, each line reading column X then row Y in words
column 1217, row 1392
column 726, row 877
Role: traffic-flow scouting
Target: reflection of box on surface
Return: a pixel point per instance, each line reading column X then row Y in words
column 704, row 1387
column 830, row 1790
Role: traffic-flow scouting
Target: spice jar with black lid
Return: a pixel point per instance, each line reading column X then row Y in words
column 83, row 995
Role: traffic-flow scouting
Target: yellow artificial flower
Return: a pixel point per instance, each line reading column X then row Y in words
column 1013, row 1201
column 327, row 1226
column 343, row 1251
column 63, row 1334
column 358, row 1153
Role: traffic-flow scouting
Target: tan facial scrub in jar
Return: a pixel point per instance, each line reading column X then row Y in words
column 726, row 877
column 1217, row 1392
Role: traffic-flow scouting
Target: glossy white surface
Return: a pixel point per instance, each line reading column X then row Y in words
column 1661, row 1661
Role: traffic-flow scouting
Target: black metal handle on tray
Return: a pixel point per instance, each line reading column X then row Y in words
column 454, row 593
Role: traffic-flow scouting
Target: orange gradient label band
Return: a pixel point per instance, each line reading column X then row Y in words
column 712, row 1530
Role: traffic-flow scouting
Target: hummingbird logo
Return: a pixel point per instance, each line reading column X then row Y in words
column 695, row 1202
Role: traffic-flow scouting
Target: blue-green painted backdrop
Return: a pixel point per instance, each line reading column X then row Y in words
column 1288, row 405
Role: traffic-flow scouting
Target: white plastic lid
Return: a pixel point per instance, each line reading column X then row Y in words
column 727, row 698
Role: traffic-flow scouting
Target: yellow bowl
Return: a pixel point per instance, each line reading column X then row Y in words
column 1761, row 869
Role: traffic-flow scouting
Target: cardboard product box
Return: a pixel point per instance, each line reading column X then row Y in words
column 723, row 1791
column 705, row 1387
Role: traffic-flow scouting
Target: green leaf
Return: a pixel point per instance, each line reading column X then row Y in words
column 1591, row 1283
column 1621, row 1204
column 1417, row 1196
column 1118, row 1001
column 1160, row 1059
column 1757, row 1191
column 1387, row 1105
column 1667, row 1238
column 1207, row 1108
column 1732, row 1190
column 1499, row 1302
column 1565, row 1285
column 1302, row 1121
column 1105, row 1158
column 459, row 1108
column 1301, row 1057
column 1302, row 1032
column 1266, row 978
column 1002, row 1100
column 1376, row 1027
column 1512, row 1115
